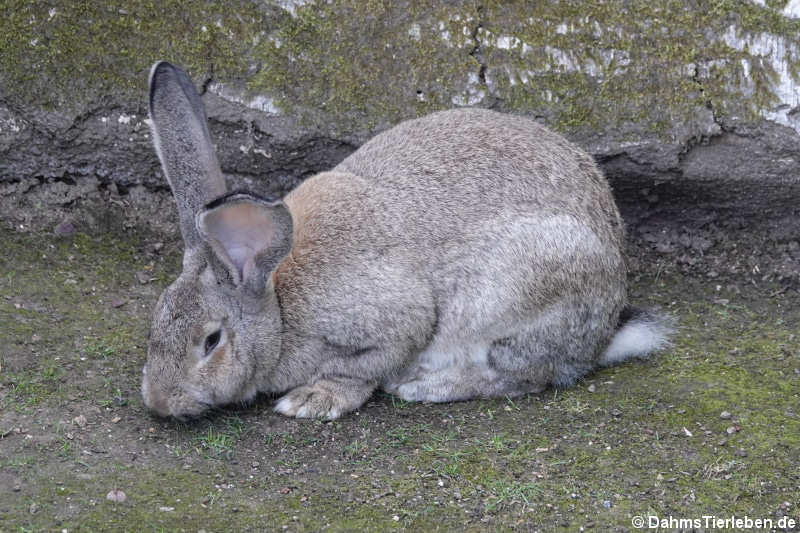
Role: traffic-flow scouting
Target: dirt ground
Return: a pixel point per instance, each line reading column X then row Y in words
column 710, row 428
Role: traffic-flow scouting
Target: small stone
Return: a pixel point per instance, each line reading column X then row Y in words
column 158, row 246
column 80, row 421
column 616, row 412
column 116, row 496
column 116, row 304
column 741, row 452
column 591, row 388
column 143, row 278
column 722, row 442
column 725, row 415
column 35, row 338
column 286, row 490
column 17, row 487
column 607, row 504
column 166, row 509
column 731, row 430
column 64, row 229
column 33, row 508
column 116, row 419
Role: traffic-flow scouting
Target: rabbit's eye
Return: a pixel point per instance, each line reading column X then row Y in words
column 212, row 341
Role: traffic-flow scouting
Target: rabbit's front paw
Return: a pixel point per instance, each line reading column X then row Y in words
column 324, row 399
column 308, row 402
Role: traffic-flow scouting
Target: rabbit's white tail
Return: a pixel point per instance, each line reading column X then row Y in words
column 641, row 332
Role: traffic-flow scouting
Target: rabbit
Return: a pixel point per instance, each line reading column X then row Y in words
column 465, row 254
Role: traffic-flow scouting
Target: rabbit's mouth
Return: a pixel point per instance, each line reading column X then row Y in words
column 190, row 402
column 193, row 401
column 196, row 410
column 183, row 403
column 181, row 407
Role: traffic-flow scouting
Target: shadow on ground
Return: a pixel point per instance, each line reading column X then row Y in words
column 712, row 427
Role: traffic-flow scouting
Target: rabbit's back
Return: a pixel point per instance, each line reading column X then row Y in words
column 430, row 192
column 453, row 170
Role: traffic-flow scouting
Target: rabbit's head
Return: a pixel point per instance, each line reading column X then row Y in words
column 215, row 333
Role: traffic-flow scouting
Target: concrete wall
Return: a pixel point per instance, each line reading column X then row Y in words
column 686, row 104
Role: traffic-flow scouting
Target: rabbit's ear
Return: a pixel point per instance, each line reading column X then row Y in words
column 249, row 235
column 182, row 141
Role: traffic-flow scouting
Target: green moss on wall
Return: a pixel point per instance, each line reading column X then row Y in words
column 640, row 61
column 595, row 64
column 382, row 59
column 364, row 63
column 70, row 53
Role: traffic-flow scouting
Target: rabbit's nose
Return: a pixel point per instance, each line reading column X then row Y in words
column 154, row 399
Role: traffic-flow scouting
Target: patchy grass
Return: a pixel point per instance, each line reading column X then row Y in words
column 711, row 427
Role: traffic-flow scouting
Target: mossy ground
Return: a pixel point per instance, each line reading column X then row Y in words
column 616, row 446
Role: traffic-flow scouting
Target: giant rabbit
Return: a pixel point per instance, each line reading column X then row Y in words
column 465, row 254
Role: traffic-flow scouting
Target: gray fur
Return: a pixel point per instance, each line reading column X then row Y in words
column 464, row 254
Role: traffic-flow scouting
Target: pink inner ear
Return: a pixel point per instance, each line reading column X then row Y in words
column 238, row 253
column 248, row 268
column 242, row 230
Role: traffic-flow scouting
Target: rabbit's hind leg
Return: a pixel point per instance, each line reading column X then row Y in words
column 458, row 373
column 558, row 347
